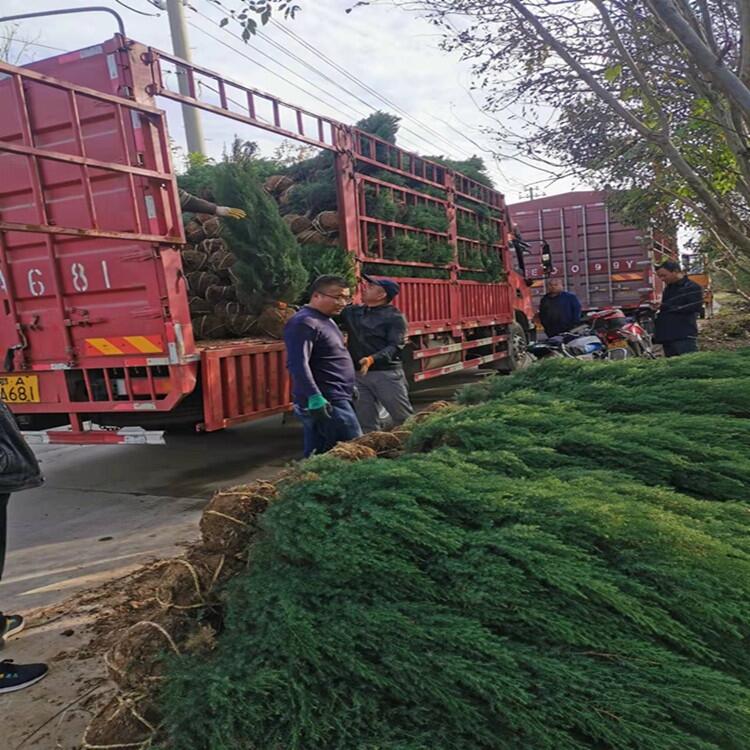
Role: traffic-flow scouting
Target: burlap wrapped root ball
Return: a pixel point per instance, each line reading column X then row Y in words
column 240, row 324
column 209, row 327
column 230, row 519
column 213, row 245
column 199, row 306
column 273, row 318
column 225, row 309
column 277, row 184
column 384, row 444
column 200, row 281
column 212, row 227
column 194, row 260
column 137, row 658
column 222, row 260
column 352, row 451
column 311, row 237
column 194, row 232
column 297, row 223
column 327, row 222
column 216, row 294
column 427, row 412
column 124, row 722
column 190, row 582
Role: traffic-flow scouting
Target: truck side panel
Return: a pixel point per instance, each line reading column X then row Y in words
column 92, row 304
column 602, row 261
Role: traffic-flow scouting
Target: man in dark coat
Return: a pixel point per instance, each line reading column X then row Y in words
column 676, row 326
column 20, row 471
column 376, row 333
column 559, row 310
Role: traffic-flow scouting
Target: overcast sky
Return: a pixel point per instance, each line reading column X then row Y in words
column 392, row 52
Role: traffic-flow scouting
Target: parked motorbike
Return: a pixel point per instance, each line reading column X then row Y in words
column 605, row 335
column 623, row 336
column 578, row 343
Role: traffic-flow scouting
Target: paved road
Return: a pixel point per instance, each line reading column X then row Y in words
column 106, row 510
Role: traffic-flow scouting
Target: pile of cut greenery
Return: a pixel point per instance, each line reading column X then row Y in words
column 561, row 564
column 314, row 192
column 242, row 274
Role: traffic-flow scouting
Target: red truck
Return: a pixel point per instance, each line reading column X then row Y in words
column 603, row 262
column 96, row 340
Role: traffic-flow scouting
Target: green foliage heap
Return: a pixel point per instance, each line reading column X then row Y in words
column 496, row 593
column 706, row 384
column 269, row 266
column 320, row 260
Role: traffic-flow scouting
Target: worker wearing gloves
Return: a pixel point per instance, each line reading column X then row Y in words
column 322, row 371
column 376, row 333
column 676, row 325
column 196, row 205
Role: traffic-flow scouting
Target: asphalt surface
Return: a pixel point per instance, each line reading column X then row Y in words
column 106, row 510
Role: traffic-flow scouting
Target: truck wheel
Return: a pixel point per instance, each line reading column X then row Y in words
column 518, row 356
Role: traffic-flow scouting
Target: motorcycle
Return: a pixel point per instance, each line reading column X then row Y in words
column 578, row 343
column 605, row 335
column 623, row 336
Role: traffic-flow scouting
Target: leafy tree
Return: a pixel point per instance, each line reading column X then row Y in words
column 652, row 97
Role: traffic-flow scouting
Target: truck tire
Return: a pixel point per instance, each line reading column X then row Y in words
column 518, row 357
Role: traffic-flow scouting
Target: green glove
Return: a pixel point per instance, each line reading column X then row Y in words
column 319, row 408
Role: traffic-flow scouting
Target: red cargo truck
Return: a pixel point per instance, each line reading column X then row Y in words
column 605, row 263
column 96, row 338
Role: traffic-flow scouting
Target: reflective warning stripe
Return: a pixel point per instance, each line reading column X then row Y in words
column 113, row 346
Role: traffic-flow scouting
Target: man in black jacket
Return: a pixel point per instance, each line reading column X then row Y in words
column 676, row 326
column 19, row 471
column 376, row 337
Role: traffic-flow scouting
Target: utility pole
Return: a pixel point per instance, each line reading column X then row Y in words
column 190, row 115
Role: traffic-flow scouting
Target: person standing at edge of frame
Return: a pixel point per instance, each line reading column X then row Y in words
column 376, row 337
column 19, row 470
column 322, row 372
column 676, row 324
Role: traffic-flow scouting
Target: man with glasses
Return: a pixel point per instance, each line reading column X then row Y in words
column 321, row 368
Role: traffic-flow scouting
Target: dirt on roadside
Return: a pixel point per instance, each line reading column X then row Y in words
column 71, row 637
column 728, row 329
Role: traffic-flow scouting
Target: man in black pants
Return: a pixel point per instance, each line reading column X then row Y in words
column 20, row 462
column 676, row 325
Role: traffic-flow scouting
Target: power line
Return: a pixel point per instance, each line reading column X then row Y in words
column 135, row 10
column 388, row 102
column 280, row 64
column 24, row 43
column 260, row 65
column 335, row 65
column 300, row 76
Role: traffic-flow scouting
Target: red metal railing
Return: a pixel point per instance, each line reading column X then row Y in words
column 239, row 102
column 243, row 380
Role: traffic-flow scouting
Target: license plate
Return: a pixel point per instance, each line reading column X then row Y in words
column 619, row 345
column 19, row 389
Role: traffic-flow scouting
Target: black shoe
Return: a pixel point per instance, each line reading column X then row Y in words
column 10, row 625
column 19, row 676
